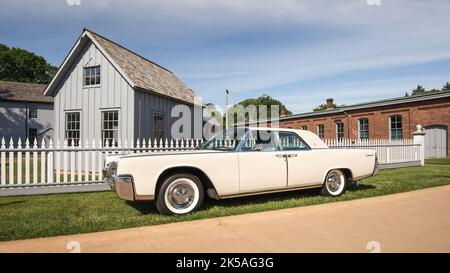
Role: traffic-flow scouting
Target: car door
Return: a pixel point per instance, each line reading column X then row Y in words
column 302, row 162
column 262, row 164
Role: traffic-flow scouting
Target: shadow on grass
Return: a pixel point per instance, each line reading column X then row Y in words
column 359, row 187
column 11, row 203
column 143, row 207
column 148, row 207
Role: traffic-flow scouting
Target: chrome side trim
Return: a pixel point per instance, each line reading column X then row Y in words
column 271, row 191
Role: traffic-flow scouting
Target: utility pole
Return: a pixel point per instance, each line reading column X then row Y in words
column 226, row 108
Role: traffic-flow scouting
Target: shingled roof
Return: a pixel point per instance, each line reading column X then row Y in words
column 20, row 91
column 140, row 72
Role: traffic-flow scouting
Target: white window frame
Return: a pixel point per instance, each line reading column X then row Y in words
column 337, row 130
column 390, row 126
column 72, row 130
column 318, row 130
column 94, row 76
column 114, row 141
column 359, row 128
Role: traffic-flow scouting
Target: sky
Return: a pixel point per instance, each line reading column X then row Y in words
column 298, row 51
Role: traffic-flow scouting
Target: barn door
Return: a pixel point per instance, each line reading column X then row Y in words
column 436, row 141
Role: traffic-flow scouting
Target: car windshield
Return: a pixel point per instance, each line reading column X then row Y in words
column 224, row 140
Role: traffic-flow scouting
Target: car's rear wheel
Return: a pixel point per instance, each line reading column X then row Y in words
column 334, row 184
column 179, row 194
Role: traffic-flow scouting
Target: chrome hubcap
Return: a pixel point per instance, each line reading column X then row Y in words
column 334, row 181
column 180, row 195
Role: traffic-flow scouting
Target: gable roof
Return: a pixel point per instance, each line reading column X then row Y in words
column 138, row 71
column 20, row 91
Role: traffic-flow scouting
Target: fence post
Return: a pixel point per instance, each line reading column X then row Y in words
column 3, row 163
column 419, row 138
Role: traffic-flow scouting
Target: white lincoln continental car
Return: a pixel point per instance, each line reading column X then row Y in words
column 238, row 162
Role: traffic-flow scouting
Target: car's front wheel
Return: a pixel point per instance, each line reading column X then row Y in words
column 179, row 194
column 334, row 184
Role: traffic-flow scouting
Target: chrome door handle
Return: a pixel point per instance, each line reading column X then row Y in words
column 292, row 155
column 280, row 155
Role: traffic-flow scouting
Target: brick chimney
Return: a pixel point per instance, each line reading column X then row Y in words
column 330, row 103
column 283, row 111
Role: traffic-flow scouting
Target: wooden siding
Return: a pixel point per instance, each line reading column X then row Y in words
column 113, row 93
column 145, row 105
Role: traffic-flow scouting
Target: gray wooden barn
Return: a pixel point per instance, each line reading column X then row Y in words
column 106, row 92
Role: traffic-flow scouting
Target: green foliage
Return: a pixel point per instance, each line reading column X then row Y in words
column 323, row 107
column 418, row 90
column 20, row 65
column 267, row 101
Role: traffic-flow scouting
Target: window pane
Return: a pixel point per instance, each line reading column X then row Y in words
column 261, row 141
column 363, row 128
column 396, row 127
column 339, row 130
column 110, row 128
column 158, row 126
column 92, row 75
column 291, row 141
column 73, row 128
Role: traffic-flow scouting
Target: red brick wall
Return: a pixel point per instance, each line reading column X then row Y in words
column 426, row 113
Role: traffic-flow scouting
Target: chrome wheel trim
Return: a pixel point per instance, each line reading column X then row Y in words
column 335, row 182
column 181, row 196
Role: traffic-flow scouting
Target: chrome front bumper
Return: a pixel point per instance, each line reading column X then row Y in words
column 124, row 188
column 122, row 185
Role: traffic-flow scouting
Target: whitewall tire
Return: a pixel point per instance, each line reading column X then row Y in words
column 180, row 194
column 335, row 183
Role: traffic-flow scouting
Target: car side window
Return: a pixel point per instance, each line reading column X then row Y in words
column 292, row 142
column 260, row 141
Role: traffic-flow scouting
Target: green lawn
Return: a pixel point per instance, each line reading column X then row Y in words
column 50, row 215
column 438, row 161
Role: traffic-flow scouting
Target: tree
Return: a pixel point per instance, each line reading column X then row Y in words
column 323, row 107
column 446, row 87
column 418, row 90
column 20, row 65
column 267, row 101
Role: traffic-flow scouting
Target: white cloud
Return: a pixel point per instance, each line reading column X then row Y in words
column 209, row 51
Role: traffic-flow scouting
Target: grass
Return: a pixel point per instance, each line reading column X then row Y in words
column 50, row 215
column 438, row 161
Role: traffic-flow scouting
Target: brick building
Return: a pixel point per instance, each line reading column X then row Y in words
column 384, row 119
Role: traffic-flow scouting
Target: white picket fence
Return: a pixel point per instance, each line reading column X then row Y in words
column 56, row 164
column 390, row 152
column 29, row 165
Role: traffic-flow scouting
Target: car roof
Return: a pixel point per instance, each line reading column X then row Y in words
column 309, row 137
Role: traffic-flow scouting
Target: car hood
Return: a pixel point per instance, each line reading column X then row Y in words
column 118, row 157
